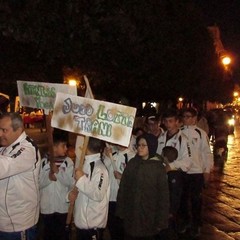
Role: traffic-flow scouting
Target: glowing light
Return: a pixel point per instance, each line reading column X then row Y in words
column 226, row 60
column 72, row 82
column 235, row 94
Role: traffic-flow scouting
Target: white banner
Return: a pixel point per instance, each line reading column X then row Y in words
column 104, row 120
column 41, row 94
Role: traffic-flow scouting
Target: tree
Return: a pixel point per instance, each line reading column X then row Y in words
column 141, row 50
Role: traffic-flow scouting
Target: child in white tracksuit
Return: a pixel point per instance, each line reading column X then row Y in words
column 55, row 183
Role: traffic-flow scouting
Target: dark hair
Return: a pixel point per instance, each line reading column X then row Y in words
column 17, row 121
column 138, row 129
column 96, row 145
column 59, row 136
column 171, row 112
column 192, row 111
column 170, row 153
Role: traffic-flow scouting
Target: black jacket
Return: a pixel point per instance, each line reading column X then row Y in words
column 143, row 197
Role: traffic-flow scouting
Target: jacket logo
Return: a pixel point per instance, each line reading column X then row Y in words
column 100, row 182
column 18, row 153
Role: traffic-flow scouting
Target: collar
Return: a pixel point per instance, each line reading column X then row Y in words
column 17, row 142
column 92, row 158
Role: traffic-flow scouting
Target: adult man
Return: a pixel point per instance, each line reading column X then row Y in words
column 91, row 206
column 199, row 170
column 19, row 170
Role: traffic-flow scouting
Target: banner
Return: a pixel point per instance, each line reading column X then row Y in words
column 104, row 120
column 41, row 94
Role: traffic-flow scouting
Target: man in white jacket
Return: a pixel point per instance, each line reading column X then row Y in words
column 91, row 205
column 19, row 170
column 198, row 174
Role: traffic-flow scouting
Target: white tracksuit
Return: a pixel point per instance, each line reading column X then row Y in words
column 19, row 195
column 120, row 163
column 200, row 149
column 180, row 142
column 91, row 205
column 53, row 193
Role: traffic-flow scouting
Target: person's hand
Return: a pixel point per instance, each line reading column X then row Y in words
column 108, row 152
column 117, row 175
column 52, row 177
column 54, row 168
column 72, row 196
column 78, row 173
column 167, row 167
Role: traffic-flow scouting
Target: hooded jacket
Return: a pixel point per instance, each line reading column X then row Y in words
column 143, row 197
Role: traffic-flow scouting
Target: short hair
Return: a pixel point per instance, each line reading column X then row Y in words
column 95, row 145
column 59, row 136
column 171, row 112
column 17, row 121
column 191, row 110
column 170, row 153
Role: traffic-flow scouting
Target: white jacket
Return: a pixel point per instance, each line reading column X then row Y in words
column 120, row 164
column 180, row 142
column 200, row 149
column 19, row 195
column 91, row 205
column 53, row 193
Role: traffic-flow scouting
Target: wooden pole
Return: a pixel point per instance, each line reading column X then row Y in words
column 50, row 139
column 71, row 205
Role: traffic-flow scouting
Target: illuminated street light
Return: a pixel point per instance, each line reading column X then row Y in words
column 235, row 94
column 226, row 60
column 72, row 82
column 180, row 103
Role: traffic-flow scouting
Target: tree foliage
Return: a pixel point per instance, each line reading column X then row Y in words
column 142, row 50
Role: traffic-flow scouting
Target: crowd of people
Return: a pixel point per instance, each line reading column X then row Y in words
column 151, row 189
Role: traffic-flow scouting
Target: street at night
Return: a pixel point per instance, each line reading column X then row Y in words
column 222, row 197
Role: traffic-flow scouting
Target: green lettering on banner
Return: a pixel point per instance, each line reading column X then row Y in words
column 100, row 113
column 39, row 90
column 43, row 104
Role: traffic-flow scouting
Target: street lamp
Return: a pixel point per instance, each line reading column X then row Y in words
column 226, row 60
column 72, row 82
column 180, row 102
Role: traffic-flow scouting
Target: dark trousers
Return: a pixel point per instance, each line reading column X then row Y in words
column 175, row 183
column 54, row 226
column 90, row 234
column 114, row 224
column 29, row 234
column 191, row 203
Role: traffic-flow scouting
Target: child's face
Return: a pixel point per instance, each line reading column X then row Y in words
column 142, row 149
column 60, row 149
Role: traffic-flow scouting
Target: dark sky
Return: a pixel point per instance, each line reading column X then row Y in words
column 226, row 14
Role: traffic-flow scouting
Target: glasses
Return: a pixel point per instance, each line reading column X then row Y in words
column 187, row 116
column 142, row 145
